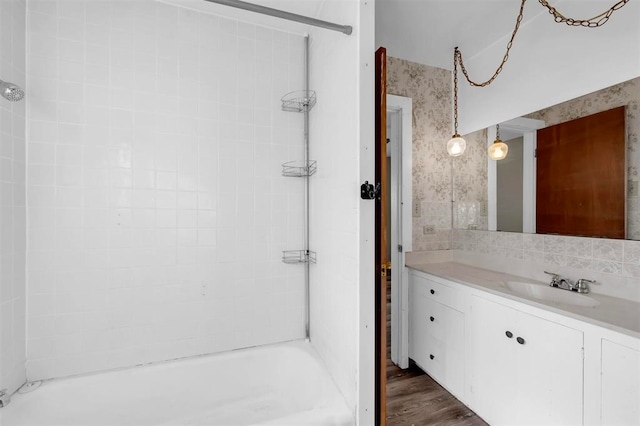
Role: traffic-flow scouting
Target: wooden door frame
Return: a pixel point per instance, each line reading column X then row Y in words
column 401, row 181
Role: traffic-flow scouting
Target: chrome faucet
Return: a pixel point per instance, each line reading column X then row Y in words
column 579, row 286
column 5, row 398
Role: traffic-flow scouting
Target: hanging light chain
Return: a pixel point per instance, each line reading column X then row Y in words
column 458, row 54
column 596, row 21
column 497, row 132
column 455, row 91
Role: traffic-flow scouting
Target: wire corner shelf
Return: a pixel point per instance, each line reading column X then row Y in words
column 299, row 168
column 299, row 256
column 299, row 101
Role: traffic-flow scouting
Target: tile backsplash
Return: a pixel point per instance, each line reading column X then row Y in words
column 618, row 258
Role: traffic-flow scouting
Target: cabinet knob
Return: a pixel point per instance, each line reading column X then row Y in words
column 431, row 356
column 520, row 340
column 432, row 319
column 432, row 291
column 509, row 334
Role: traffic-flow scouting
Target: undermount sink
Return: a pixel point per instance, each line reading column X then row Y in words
column 550, row 294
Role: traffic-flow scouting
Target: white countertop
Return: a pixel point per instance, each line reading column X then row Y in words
column 616, row 314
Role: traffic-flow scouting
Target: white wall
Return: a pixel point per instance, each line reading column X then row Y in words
column 12, row 198
column 341, row 135
column 550, row 63
column 157, row 211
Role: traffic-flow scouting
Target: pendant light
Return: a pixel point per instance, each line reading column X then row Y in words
column 498, row 149
column 456, row 145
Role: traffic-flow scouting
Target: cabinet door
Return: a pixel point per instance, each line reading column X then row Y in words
column 620, row 385
column 549, row 366
column 533, row 377
column 491, row 360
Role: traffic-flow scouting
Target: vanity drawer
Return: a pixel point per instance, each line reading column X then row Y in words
column 436, row 341
column 434, row 317
column 437, row 292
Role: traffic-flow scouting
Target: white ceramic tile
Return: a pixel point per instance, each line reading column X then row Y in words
column 554, row 244
column 12, row 199
column 579, row 247
column 136, row 126
column 579, row 263
column 632, row 252
column 607, row 266
column 533, row 242
column 632, row 270
column 608, row 249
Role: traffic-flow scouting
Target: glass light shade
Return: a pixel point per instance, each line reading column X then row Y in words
column 498, row 150
column 456, row 146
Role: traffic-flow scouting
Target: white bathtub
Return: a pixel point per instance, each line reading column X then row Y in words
column 283, row 384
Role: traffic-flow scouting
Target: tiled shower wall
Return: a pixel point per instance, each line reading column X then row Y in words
column 12, row 198
column 157, row 211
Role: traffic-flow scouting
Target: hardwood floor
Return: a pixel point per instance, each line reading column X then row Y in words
column 415, row 399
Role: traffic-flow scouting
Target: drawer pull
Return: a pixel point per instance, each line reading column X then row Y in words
column 432, row 319
column 432, row 291
column 431, row 356
column 520, row 340
column 509, row 334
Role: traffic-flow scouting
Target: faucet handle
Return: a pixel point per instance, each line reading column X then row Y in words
column 4, row 398
column 555, row 278
column 581, row 285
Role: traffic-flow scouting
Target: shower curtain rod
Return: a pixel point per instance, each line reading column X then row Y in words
column 346, row 29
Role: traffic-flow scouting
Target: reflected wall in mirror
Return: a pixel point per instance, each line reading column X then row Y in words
column 471, row 206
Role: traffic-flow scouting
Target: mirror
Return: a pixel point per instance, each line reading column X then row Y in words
column 509, row 204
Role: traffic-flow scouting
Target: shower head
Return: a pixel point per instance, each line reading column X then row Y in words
column 11, row 92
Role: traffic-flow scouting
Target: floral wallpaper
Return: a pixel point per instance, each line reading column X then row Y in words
column 470, row 184
column 430, row 91
column 628, row 94
column 434, row 171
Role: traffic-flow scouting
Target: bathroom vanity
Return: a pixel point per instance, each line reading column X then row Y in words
column 517, row 351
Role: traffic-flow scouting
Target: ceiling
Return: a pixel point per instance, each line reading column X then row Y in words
column 424, row 31
column 427, row 31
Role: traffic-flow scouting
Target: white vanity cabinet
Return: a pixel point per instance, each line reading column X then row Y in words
column 520, row 363
column 620, row 384
column 436, row 332
column 523, row 369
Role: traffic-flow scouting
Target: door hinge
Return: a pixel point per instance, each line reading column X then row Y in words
column 400, row 248
column 368, row 191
